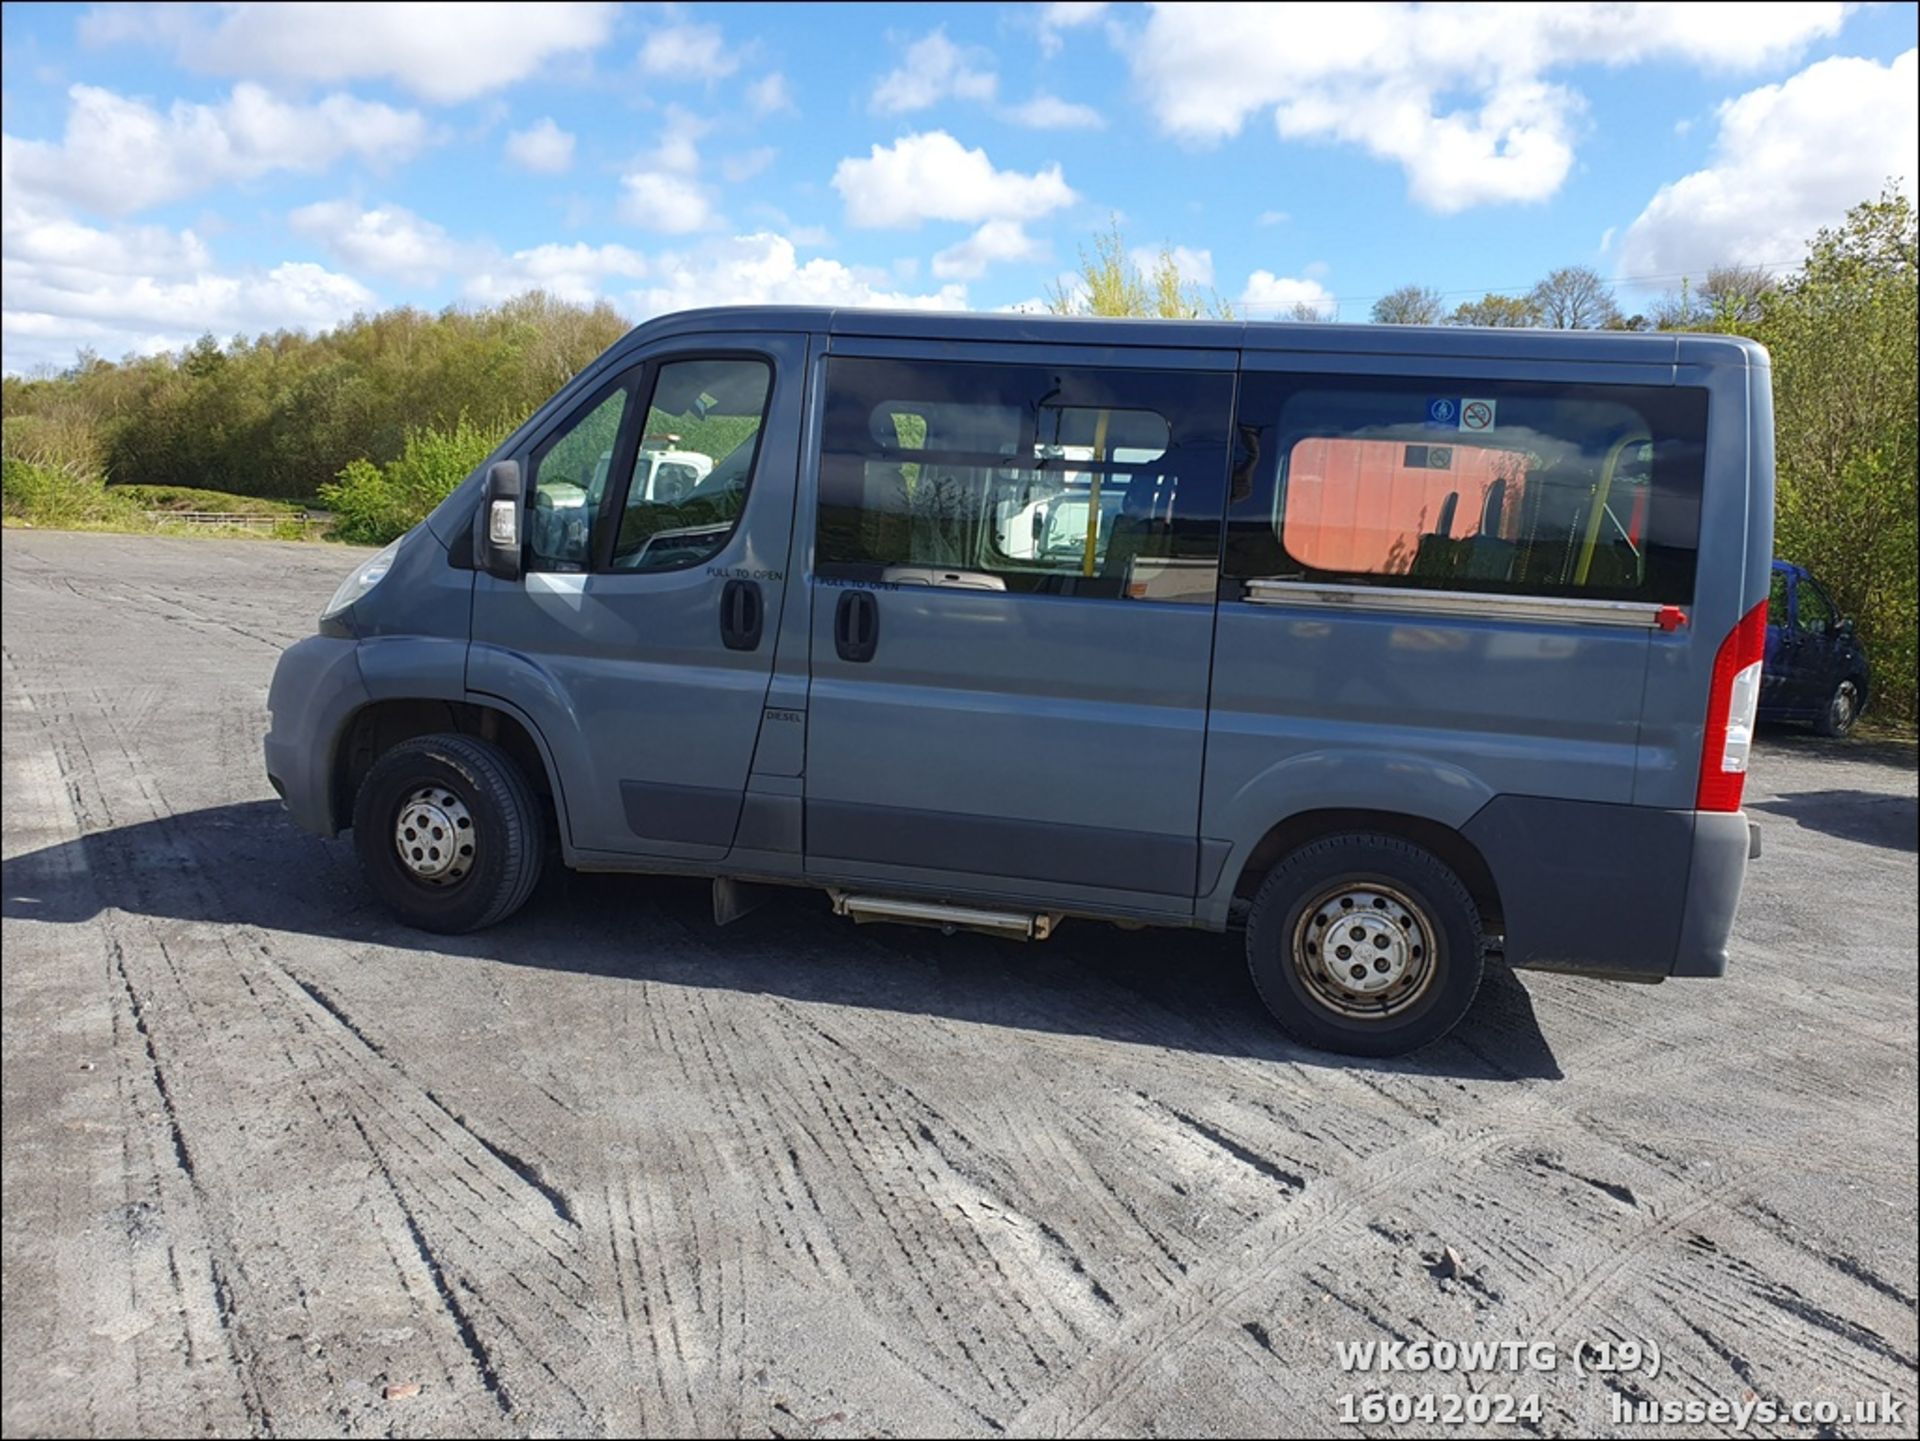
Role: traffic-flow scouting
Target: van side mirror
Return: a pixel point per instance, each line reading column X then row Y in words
column 503, row 510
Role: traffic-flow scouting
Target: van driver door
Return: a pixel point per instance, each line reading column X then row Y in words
column 639, row 638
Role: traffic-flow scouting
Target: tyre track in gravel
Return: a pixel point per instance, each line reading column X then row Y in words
column 410, row 1134
column 608, row 1170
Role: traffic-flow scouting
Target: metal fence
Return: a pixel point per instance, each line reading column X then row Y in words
column 308, row 521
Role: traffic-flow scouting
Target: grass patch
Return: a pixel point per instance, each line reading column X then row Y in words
column 47, row 497
column 188, row 498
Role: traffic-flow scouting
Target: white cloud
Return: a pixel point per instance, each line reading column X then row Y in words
column 763, row 269
column 1268, row 295
column 932, row 176
column 1066, row 15
column 144, row 289
column 1789, row 159
column 1050, row 112
column 119, row 156
column 1195, row 267
column 664, row 191
column 687, row 52
column 576, row 273
column 748, row 163
column 933, row 69
column 387, row 241
column 770, row 95
column 1381, row 76
column 995, row 243
column 439, row 53
column 671, row 204
column 1273, row 217
column 543, row 147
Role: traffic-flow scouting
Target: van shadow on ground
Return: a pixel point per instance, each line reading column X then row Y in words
column 1892, row 822
column 247, row 865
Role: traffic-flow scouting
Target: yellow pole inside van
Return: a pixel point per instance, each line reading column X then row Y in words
column 1600, row 502
column 1093, row 494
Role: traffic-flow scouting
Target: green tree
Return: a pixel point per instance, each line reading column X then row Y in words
column 1507, row 311
column 1842, row 330
column 281, row 414
column 1409, row 305
column 1110, row 283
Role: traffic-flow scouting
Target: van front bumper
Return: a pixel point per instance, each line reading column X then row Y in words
column 316, row 689
column 1627, row 892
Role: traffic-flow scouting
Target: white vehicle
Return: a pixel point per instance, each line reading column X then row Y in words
column 667, row 475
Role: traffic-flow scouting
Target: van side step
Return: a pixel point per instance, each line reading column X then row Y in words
column 1018, row 925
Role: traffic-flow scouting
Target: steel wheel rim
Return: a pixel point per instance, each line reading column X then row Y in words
column 435, row 837
column 1363, row 950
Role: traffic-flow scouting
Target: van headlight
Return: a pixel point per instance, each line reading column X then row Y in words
column 364, row 578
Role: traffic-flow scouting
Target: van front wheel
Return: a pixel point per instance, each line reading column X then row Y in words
column 448, row 833
column 1366, row 945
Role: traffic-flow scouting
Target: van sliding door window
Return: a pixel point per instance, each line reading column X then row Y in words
column 1045, row 480
column 694, row 462
column 1502, row 487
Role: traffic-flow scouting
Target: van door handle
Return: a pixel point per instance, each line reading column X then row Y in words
column 740, row 613
column 856, row 626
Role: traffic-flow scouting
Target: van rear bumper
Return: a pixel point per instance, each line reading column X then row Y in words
column 1629, row 892
column 316, row 687
column 1722, row 845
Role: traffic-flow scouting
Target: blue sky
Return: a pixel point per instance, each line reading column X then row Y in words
column 241, row 168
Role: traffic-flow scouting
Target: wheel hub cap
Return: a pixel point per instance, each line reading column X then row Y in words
column 434, row 836
column 1363, row 949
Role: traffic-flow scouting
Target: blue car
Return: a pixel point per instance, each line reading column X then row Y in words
column 1815, row 671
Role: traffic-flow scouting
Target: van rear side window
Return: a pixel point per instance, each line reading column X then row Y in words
column 1519, row 489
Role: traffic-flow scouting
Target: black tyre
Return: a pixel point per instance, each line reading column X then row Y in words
column 1843, row 709
column 449, row 833
column 1366, row 945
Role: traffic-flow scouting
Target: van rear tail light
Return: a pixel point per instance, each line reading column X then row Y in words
column 1730, row 709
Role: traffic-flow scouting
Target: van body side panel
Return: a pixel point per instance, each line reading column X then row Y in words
column 1318, row 708
column 1564, row 748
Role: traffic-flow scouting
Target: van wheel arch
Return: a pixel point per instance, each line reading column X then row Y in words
column 1444, row 842
column 375, row 729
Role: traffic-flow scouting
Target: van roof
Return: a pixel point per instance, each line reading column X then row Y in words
column 1456, row 342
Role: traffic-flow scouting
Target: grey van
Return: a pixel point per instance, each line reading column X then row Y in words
column 1393, row 648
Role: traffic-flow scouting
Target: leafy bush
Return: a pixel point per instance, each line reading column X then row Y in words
column 45, row 496
column 365, row 508
column 372, row 504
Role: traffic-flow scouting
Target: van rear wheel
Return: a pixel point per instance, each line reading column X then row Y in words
column 1366, row 945
column 448, row 832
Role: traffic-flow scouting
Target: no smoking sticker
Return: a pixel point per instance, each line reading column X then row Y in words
column 1476, row 414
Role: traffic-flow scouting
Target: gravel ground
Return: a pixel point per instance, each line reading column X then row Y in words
column 607, row 1169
